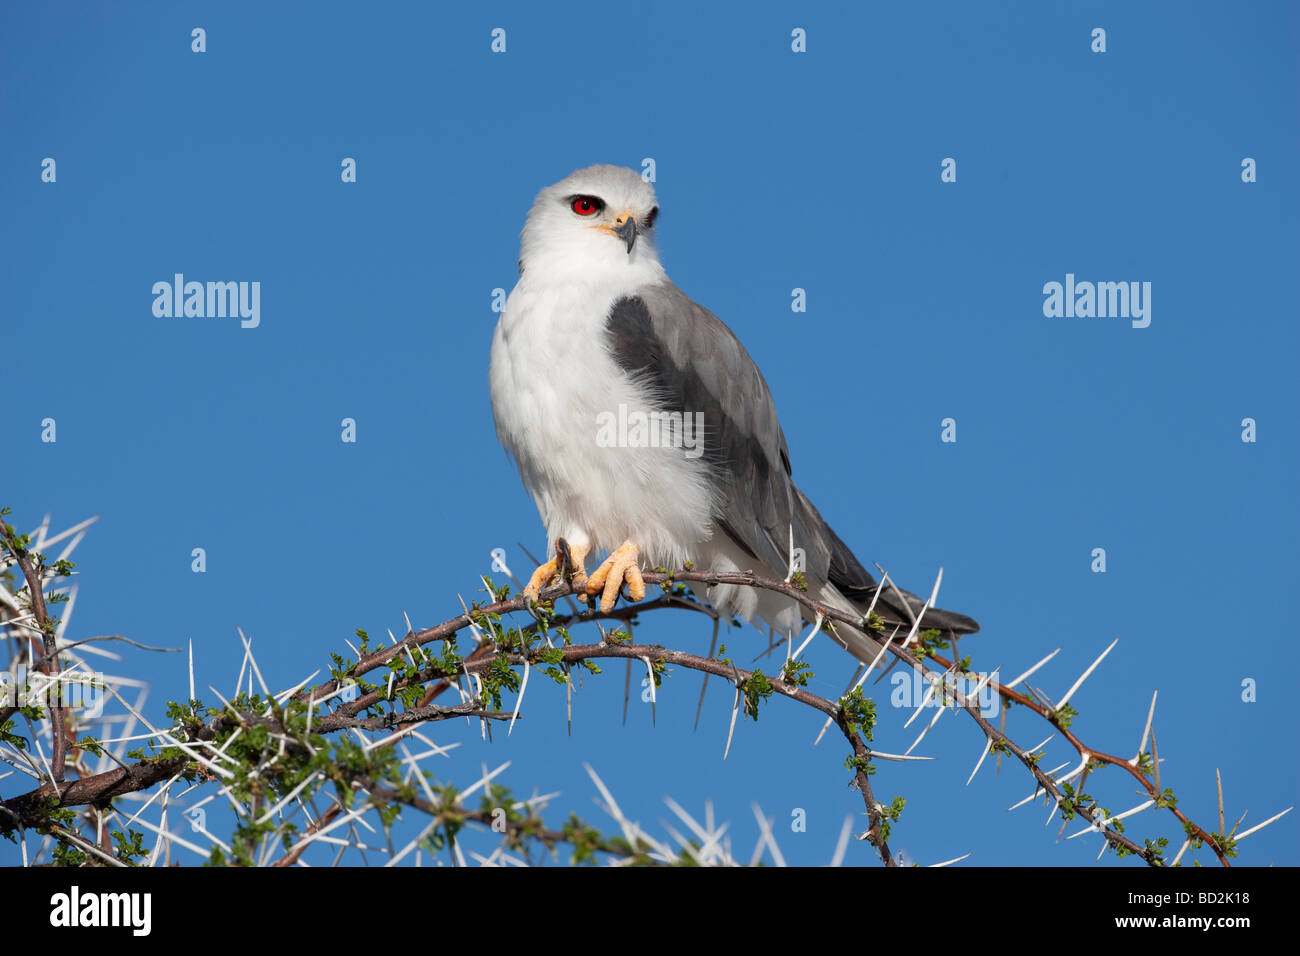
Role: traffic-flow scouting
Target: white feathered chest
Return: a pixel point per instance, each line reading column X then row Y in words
column 556, row 392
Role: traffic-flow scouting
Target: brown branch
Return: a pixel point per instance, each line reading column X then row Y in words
column 1130, row 767
column 49, row 663
column 28, row 808
column 549, row 838
column 449, row 628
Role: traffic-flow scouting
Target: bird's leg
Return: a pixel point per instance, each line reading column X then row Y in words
column 572, row 567
column 568, row 562
column 618, row 567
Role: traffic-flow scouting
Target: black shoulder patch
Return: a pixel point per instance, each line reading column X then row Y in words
column 632, row 338
column 639, row 351
column 700, row 385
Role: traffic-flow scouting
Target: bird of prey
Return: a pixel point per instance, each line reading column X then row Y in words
column 596, row 343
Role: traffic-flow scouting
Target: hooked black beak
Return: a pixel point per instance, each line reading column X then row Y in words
column 626, row 229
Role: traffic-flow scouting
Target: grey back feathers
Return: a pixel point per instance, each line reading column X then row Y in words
column 690, row 362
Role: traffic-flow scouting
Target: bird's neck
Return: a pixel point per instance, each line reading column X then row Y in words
column 621, row 273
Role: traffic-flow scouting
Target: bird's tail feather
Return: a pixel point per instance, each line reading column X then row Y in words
column 893, row 606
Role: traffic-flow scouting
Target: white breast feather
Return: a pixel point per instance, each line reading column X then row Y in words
column 552, row 376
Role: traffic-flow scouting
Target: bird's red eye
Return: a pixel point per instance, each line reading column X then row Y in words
column 585, row 205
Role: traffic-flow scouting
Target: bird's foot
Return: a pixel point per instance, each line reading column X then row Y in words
column 618, row 567
column 568, row 564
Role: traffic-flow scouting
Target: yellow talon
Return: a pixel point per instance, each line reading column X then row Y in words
column 541, row 577
column 568, row 561
column 609, row 577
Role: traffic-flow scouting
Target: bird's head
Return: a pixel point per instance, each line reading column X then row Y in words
column 595, row 220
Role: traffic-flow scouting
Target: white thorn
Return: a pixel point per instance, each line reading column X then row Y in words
column 988, row 743
column 173, row 838
column 481, row 782
column 390, row 740
column 284, row 695
column 293, row 793
column 934, row 593
column 1045, row 742
column 939, row 712
column 1084, row 676
column 1103, row 820
column 817, row 626
column 1031, row 670
column 160, row 792
column 1040, row 790
column 735, row 709
column 1076, row 771
column 518, row 700
column 248, row 649
column 766, row 837
column 1146, row 731
column 933, row 680
column 881, row 755
column 1261, row 826
column 1181, row 851
column 842, row 844
column 706, row 835
column 650, row 672
column 884, row 646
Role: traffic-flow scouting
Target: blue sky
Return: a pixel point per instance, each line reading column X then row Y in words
column 774, row 170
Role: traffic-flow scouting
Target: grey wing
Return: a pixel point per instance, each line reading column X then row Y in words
column 693, row 363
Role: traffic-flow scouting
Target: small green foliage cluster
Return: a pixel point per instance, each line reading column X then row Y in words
column 1154, row 850
column 7, row 734
column 889, row 816
column 1145, row 764
column 1000, row 746
column 1064, row 716
column 19, row 545
column 797, row 672
column 756, row 689
column 1072, row 803
column 1224, row 842
column 858, row 712
column 927, row 642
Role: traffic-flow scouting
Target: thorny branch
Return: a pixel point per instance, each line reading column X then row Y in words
column 496, row 646
column 49, row 659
